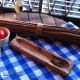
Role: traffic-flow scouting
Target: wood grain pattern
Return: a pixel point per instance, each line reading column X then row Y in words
column 22, row 16
column 34, row 17
column 46, row 19
column 42, row 56
column 58, row 21
column 10, row 15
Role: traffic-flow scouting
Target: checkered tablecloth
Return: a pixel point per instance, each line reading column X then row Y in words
column 13, row 62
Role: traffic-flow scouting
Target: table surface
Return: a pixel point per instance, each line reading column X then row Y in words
column 13, row 62
column 34, row 17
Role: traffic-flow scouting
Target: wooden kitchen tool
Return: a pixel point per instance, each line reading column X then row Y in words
column 42, row 56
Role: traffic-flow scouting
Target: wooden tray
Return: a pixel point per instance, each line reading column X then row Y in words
column 40, row 55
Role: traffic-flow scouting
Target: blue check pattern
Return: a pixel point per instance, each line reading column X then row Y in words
column 13, row 62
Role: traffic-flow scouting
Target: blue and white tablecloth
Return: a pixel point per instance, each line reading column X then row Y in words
column 13, row 62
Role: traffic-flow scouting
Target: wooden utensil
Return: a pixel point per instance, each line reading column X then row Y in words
column 40, row 55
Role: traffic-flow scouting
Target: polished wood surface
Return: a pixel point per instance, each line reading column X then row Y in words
column 56, row 63
column 34, row 17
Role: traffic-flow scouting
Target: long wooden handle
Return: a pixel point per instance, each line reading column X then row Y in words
column 59, row 33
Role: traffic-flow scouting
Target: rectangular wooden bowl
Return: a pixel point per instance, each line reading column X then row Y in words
column 56, row 63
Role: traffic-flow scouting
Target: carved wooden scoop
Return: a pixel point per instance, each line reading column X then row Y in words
column 38, row 54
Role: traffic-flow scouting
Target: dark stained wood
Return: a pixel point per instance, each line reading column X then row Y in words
column 46, row 19
column 58, row 21
column 34, row 17
column 10, row 15
column 22, row 16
